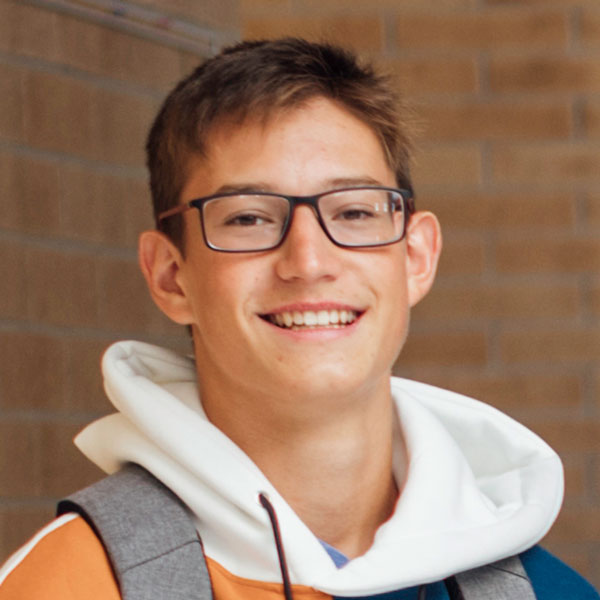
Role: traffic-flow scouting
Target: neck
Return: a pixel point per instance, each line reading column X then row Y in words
column 331, row 461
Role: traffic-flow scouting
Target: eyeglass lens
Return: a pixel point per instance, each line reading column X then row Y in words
column 358, row 217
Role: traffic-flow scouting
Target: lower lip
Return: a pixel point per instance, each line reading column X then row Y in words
column 317, row 333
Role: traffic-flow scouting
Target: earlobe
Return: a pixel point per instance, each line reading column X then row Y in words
column 160, row 262
column 423, row 247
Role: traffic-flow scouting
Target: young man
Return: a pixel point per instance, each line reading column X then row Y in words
column 288, row 242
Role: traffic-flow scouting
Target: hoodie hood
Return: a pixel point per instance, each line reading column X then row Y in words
column 479, row 486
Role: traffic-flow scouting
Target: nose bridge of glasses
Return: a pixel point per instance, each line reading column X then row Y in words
column 311, row 203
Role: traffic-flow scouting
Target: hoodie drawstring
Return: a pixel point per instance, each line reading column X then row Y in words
column 285, row 576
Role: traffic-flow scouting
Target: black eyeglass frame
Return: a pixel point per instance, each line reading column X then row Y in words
column 406, row 196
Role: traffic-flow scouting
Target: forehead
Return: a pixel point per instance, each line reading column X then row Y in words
column 290, row 151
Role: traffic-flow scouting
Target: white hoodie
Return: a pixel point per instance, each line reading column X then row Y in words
column 479, row 487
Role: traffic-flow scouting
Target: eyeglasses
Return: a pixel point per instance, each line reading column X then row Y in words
column 356, row 217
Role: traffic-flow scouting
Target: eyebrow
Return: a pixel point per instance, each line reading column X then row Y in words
column 329, row 184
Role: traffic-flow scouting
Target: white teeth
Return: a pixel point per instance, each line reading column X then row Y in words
column 323, row 317
column 312, row 319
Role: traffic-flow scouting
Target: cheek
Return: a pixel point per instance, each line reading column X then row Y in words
column 393, row 295
column 222, row 292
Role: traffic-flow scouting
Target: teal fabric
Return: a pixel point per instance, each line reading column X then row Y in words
column 554, row 580
column 435, row 591
column 551, row 579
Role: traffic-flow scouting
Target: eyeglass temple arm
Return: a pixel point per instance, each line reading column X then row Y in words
column 173, row 211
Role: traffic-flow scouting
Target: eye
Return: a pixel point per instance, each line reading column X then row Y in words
column 247, row 220
column 355, row 213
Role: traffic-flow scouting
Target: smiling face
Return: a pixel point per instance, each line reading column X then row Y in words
column 307, row 320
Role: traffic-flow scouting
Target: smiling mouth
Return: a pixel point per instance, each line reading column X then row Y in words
column 313, row 319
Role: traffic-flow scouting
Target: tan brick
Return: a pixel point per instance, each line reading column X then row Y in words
column 577, row 525
column 448, row 164
column 483, row 29
column 572, row 345
column 83, row 378
column 594, row 299
column 103, row 51
column 20, row 458
column 51, row 373
column 495, row 120
column 361, row 32
column 261, row 7
column 31, row 371
column 554, row 162
column 443, row 349
column 500, row 301
column 514, row 393
column 222, row 13
column 544, row 74
column 133, row 310
column 58, row 112
column 591, row 118
column 548, row 255
column 11, row 94
column 248, row 8
column 590, row 26
column 464, row 257
column 575, row 479
column 42, row 33
column 473, row 210
column 30, row 195
column 436, row 4
column 17, row 525
column 13, row 288
column 61, row 288
column 543, row 3
column 592, row 216
column 92, row 205
column 434, row 75
column 595, row 470
column 27, row 30
column 103, row 208
column 120, row 126
column 67, row 115
column 532, row 210
column 65, row 469
column 188, row 61
column 137, row 210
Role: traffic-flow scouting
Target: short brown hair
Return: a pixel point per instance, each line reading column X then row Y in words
column 255, row 80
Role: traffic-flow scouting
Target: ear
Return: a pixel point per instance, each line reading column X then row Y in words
column 423, row 247
column 160, row 262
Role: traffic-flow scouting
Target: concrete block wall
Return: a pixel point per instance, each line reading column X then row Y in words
column 78, row 89
column 506, row 94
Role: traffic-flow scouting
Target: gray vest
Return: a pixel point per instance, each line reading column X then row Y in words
column 155, row 551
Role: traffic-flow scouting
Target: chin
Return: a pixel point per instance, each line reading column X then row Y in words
column 333, row 384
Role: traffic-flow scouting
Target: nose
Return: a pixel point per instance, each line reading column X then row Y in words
column 307, row 253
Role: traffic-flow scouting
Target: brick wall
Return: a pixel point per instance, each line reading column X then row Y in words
column 507, row 92
column 78, row 88
column 507, row 96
